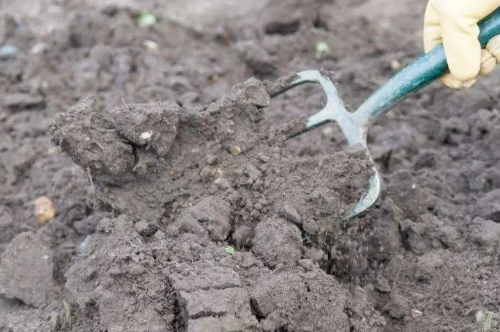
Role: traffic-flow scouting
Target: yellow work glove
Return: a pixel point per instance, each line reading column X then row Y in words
column 453, row 23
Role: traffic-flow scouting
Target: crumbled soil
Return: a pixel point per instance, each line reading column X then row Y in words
column 182, row 207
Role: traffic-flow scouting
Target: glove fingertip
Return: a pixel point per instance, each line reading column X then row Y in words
column 454, row 83
column 493, row 47
column 488, row 62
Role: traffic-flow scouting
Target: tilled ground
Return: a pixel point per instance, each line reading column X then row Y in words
column 180, row 206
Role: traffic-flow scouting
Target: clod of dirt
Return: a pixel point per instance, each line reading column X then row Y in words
column 115, row 152
column 8, row 26
column 412, row 236
column 230, row 303
column 105, row 284
column 310, row 301
column 87, row 29
column 224, row 323
column 242, row 236
column 102, row 55
column 288, row 212
column 258, row 59
column 26, row 271
column 151, row 125
column 428, row 266
column 216, row 174
column 186, row 223
column 19, row 101
column 488, row 206
column 88, row 136
column 203, row 275
column 398, row 307
column 408, row 195
column 145, row 228
column 214, row 213
column 485, row 233
column 449, row 237
column 282, row 27
column 277, row 242
column 6, row 222
column 426, row 160
column 474, row 99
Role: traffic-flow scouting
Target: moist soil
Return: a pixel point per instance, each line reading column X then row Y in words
column 181, row 206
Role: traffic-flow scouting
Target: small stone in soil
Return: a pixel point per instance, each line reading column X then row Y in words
column 44, row 209
column 8, row 51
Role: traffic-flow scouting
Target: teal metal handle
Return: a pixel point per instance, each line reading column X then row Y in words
column 417, row 75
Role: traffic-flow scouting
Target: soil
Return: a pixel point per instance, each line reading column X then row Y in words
column 181, row 206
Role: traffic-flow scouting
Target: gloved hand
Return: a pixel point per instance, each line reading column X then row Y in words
column 453, row 23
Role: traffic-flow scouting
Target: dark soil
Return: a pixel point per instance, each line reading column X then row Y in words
column 182, row 207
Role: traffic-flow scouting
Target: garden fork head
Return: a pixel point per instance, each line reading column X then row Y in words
column 353, row 128
column 415, row 76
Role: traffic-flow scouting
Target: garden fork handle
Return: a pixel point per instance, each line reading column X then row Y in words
column 417, row 75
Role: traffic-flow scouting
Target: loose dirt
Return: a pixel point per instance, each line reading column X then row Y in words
column 180, row 205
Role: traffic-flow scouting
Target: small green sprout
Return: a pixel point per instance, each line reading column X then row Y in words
column 489, row 321
column 68, row 311
column 230, row 250
column 146, row 20
column 56, row 323
column 322, row 48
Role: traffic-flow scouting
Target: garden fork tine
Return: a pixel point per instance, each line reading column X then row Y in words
column 335, row 111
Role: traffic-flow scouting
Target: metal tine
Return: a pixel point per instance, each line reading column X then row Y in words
column 335, row 111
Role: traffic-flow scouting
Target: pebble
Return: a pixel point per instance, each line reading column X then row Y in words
column 416, row 313
column 44, row 209
column 306, row 264
column 395, row 65
column 264, row 158
column 150, row 45
column 480, row 316
column 7, row 51
column 38, row 48
column 235, row 150
column 83, row 247
column 211, row 160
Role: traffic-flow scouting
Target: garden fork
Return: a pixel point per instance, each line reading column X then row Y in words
column 355, row 125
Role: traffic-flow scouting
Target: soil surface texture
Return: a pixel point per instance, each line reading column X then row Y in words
column 180, row 206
